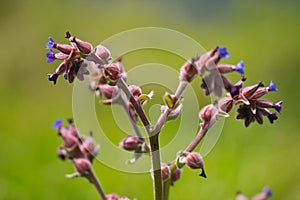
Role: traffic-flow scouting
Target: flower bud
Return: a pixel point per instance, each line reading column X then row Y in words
column 123, row 198
column 83, row 47
column 135, row 90
column 225, row 68
column 226, row 104
column 64, row 48
column 82, row 165
column 90, row 148
column 214, row 60
column 265, row 194
column 195, row 161
column 112, row 197
column 267, row 104
column 175, row 175
column 200, row 63
column 165, row 170
column 70, row 141
column 129, row 143
column 107, row 90
column 113, row 72
column 62, row 154
column 103, row 53
column 240, row 196
column 208, row 114
column 250, row 90
column 73, row 131
column 188, row 71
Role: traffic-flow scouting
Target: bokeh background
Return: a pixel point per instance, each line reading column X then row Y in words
column 265, row 34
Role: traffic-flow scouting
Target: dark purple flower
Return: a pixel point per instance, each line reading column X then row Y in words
column 222, row 52
column 51, row 56
column 57, row 124
column 50, row 43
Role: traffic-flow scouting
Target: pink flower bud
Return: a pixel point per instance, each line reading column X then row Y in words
column 82, row 166
column 112, row 197
column 225, row 104
column 195, row 161
column 62, row 154
column 225, row 68
column 113, row 72
column 208, row 114
column 135, row 90
column 188, row 71
column 64, row 48
column 83, row 47
column 70, row 141
column 90, row 148
column 129, row 143
column 107, row 90
column 175, row 175
column 103, row 53
column 251, row 90
column 165, row 170
column 201, row 62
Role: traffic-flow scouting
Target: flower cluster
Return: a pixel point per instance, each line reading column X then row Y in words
column 251, row 107
column 81, row 150
column 72, row 64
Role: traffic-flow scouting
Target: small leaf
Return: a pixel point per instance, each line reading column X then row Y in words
column 170, row 100
column 180, row 162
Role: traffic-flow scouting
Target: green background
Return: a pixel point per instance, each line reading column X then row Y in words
column 264, row 34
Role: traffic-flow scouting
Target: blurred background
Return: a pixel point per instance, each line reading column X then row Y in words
column 264, row 34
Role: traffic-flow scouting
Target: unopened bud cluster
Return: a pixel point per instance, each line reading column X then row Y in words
column 81, row 150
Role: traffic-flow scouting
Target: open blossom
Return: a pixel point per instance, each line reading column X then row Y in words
column 251, row 107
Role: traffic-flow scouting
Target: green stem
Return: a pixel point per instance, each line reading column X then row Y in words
column 154, row 142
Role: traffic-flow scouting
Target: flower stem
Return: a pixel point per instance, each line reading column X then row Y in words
column 153, row 138
column 94, row 180
column 202, row 132
column 133, row 122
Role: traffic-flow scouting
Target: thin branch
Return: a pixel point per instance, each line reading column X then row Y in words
column 135, row 127
column 94, row 180
column 123, row 86
column 153, row 138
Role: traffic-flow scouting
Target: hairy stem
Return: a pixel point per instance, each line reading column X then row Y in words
column 133, row 122
column 154, row 142
column 94, row 180
column 123, row 86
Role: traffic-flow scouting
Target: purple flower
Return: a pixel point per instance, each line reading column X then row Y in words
column 57, row 124
column 272, row 87
column 51, row 56
column 222, row 52
column 240, row 67
column 50, row 43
